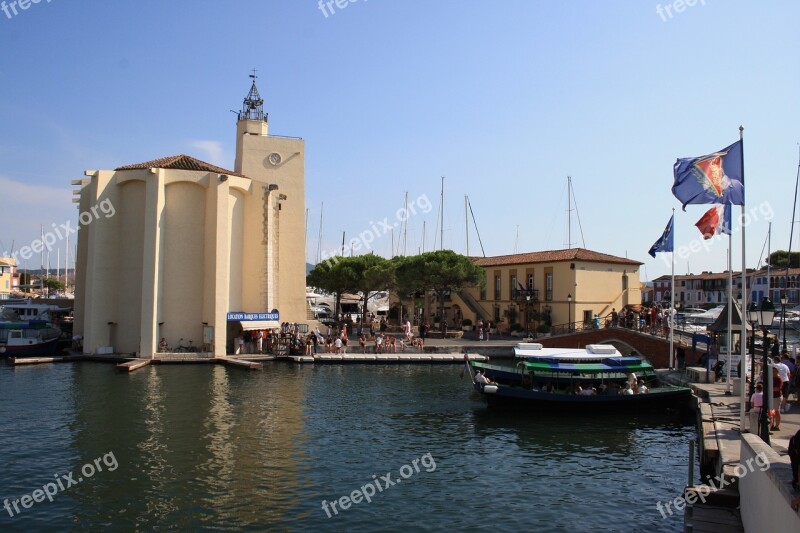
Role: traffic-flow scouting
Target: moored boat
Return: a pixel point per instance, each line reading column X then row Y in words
column 595, row 377
column 19, row 338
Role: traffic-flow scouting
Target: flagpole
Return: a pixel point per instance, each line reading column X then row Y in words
column 728, row 383
column 672, row 300
column 744, row 366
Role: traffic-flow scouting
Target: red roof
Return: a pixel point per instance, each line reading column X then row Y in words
column 553, row 256
column 180, row 162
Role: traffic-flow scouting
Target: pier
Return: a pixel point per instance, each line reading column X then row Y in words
column 727, row 454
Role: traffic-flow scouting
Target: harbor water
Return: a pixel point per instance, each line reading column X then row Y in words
column 318, row 448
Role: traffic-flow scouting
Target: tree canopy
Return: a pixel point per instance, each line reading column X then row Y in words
column 780, row 258
column 439, row 271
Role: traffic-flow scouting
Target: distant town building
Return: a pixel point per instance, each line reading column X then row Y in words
column 182, row 249
column 564, row 285
column 9, row 277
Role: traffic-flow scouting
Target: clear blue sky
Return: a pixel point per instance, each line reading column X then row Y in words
column 503, row 98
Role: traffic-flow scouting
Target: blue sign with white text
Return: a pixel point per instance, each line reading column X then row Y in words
column 253, row 317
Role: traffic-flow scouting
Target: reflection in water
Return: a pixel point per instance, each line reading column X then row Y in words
column 211, row 448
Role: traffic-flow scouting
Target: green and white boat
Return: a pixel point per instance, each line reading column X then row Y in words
column 595, row 377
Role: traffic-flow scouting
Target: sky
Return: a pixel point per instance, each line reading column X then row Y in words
column 504, row 99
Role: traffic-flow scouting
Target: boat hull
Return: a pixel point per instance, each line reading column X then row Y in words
column 35, row 348
column 518, row 398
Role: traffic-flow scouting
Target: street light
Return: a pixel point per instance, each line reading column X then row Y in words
column 765, row 315
column 528, row 312
column 569, row 310
column 752, row 317
column 784, row 301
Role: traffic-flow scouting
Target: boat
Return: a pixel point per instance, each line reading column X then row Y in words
column 28, row 338
column 557, row 378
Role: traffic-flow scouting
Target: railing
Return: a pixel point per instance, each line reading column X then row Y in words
column 522, row 295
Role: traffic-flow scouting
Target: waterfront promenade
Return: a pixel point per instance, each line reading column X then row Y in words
column 723, row 444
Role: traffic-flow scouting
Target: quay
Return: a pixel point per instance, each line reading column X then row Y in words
column 748, row 483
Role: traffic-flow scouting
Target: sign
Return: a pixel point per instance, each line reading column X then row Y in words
column 252, row 317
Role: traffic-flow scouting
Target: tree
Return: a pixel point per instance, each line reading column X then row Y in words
column 445, row 271
column 371, row 273
column 363, row 273
column 52, row 284
column 407, row 272
column 780, row 258
column 334, row 277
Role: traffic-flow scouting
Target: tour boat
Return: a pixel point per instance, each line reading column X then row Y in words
column 19, row 338
column 562, row 378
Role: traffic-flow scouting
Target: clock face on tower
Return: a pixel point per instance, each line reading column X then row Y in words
column 274, row 159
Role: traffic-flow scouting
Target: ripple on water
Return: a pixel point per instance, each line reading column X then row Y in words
column 211, row 448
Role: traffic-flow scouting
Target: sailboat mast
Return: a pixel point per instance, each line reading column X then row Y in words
column 319, row 235
column 405, row 225
column 466, row 222
column 441, row 225
column 569, row 212
column 423, row 236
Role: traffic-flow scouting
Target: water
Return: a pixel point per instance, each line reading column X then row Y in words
column 207, row 447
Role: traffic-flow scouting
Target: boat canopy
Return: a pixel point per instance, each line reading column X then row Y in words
column 615, row 365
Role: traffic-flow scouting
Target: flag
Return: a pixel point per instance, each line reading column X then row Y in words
column 711, row 179
column 716, row 220
column 666, row 242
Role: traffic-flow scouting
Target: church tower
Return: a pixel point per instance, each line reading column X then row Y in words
column 276, row 164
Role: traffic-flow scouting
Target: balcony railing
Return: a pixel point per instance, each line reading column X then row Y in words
column 522, row 295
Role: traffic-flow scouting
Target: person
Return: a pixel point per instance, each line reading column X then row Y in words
column 588, row 391
column 642, row 387
column 379, row 343
column 362, row 341
column 309, row 343
column 338, row 345
column 756, row 405
column 423, row 329
column 783, row 372
column 632, row 380
column 794, row 457
column 162, row 346
column 777, row 399
column 628, row 391
column 614, row 317
column 480, row 377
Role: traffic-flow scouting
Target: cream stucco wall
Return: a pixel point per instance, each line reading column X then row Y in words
column 286, row 262
column 594, row 287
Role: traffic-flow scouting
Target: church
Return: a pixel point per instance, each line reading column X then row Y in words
column 194, row 252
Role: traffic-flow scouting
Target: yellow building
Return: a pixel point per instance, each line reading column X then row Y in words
column 181, row 249
column 9, row 278
column 568, row 285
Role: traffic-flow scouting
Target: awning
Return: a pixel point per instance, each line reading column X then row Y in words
column 250, row 325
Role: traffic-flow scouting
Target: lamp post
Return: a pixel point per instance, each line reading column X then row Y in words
column 766, row 313
column 752, row 317
column 784, row 301
column 569, row 310
column 528, row 312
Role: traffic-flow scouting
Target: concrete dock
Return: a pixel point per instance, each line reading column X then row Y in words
column 722, row 443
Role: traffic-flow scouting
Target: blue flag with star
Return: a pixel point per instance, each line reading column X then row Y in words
column 666, row 242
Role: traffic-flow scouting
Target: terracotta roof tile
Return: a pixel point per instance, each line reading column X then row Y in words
column 553, row 256
column 180, row 162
